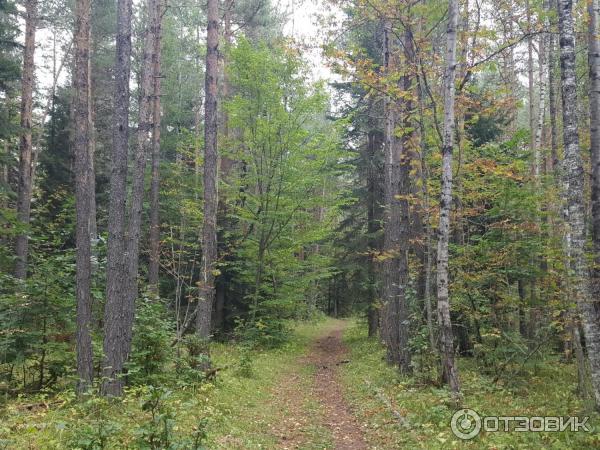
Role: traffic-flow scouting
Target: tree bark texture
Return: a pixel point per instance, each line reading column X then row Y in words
column 153, row 267
column 84, row 191
column 26, row 160
column 395, row 324
column 115, row 332
column 590, row 310
column 211, row 200
column 449, row 371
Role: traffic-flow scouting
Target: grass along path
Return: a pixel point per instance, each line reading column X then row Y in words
column 405, row 412
column 284, row 398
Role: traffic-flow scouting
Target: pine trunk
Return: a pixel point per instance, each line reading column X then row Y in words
column 26, row 148
column 209, row 226
column 83, row 193
column 115, row 350
column 449, row 371
column 143, row 147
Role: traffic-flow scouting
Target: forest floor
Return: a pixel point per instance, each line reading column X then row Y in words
column 327, row 388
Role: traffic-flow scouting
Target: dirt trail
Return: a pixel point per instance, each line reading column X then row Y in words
column 326, row 354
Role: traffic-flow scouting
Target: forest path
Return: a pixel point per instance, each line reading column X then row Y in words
column 320, row 388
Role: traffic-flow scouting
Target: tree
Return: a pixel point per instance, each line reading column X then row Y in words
column 211, row 199
column 153, row 266
column 117, row 275
column 396, row 218
column 26, row 167
column 450, row 373
column 83, row 192
column 590, row 310
column 10, row 70
column 573, row 187
column 146, row 140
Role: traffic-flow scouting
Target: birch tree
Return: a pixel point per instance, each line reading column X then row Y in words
column 591, row 307
column 449, row 371
column 573, row 189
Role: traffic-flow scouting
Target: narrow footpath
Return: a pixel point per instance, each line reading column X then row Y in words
column 315, row 414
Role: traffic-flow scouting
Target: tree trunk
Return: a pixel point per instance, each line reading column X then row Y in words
column 552, row 100
column 83, row 193
column 93, row 225
column 153, row 267
column 395, row 269
column 226, row 163
column 427, row 218
column 591, row 309
column 373, row 145
column 573, row 191
column 449, row 371
column 26, row 148
column 530, row 88
column 144, row 142
column 539, row 126
column 211, row 200
column 115, row 351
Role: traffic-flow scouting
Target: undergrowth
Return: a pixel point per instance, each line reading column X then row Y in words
column 405, row 412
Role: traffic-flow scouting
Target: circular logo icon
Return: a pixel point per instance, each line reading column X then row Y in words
column 465, row 424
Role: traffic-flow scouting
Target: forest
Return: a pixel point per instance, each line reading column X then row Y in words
column 303, row 224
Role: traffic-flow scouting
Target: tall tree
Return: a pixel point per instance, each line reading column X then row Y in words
column 211, row 200
column 372, row 148
column 145, row 141
column 450, row 373
column 115, row 352
column 395, row 246
column 153, row 266
column 26, row 168
column 591, row 310
column 531, row 91
column 83, row 192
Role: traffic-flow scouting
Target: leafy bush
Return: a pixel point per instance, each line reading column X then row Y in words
column 159, row 431
column 152, row 350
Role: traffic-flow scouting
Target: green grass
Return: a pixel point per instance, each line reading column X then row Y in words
column 236, row 411
column 550, row 390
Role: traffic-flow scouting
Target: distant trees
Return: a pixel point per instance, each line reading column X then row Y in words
column 267, row 208
column 482, row 242
column 285, row 201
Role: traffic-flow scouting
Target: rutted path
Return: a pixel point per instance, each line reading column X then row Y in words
column 299, row 391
